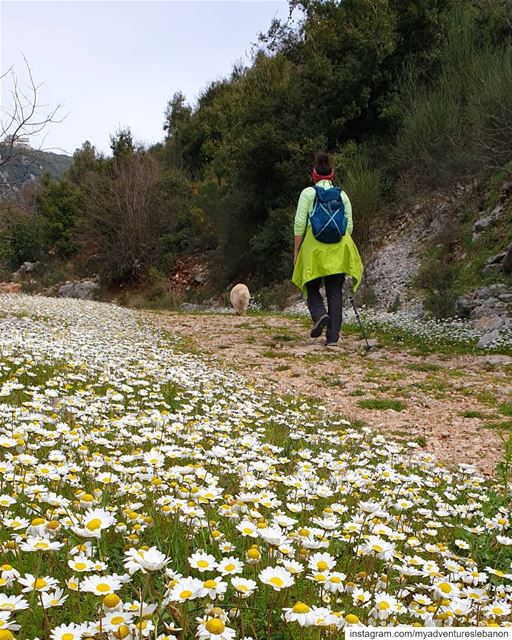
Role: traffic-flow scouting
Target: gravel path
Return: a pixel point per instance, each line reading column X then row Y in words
column 435, row 391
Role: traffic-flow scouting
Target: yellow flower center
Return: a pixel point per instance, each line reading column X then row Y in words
column 117, row 619
column 322, row 565
column 335, row 580
column 300, row 607
column 377, row 548
column 38, row 521
column 253, row 554
column 445, row 587
column 41, row 545
column 39, row 583
column 209, row 584
column 112, row 600
column 122, row 632
column 80, row 566
column 185, row 594
column 68, row 636
column 383, row 606
column 5, row 634
column 277, row 582
column 103, row 587
column 215, row 626
column 247, row 530
column 94, row 524
column 202, row 564
column 230, row 567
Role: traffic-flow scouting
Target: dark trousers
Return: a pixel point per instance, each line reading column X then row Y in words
column 316, row 306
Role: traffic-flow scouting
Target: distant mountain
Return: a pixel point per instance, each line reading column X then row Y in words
column 28, row 165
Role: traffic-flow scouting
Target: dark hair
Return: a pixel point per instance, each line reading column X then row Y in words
column 323, row 164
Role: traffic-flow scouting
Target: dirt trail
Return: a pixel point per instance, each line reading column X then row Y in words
column 435, row 390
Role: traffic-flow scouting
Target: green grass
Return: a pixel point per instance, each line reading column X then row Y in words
column 400, row 339
column 491, row 241
column 382, row 404
column 274, row 354
column 473, row 414
column 424, row 367
column 506, row 409
column 499, row 425
column 284, row 337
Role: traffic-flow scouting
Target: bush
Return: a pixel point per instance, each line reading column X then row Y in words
column 364, row 186
column 22, row 236
column 59, row 206
column 437, row 278
column 490, row 105
column 127, row 210
column 462, row 120
column 276, row 297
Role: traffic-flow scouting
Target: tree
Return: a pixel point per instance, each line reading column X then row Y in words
column 177, row 114
column 24, row 119
column 84, row 160
column 126, row 209
column 59, row 205
column 121, row 144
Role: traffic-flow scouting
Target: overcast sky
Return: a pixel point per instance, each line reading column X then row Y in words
column 115, row 64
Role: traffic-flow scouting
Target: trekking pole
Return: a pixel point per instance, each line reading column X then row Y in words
column 368, row 347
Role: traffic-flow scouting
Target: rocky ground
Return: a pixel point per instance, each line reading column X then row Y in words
column 450, row 405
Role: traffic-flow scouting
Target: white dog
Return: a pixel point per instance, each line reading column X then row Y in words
column 239, row 298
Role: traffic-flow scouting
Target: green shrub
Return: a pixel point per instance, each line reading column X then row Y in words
column 363, row 183
column 22, row 237
column 59, row 206
column 437, row 278
column 275, row 297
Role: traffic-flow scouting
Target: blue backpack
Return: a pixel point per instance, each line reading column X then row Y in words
column 328, row 219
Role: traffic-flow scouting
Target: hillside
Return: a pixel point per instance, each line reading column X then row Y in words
column 28, row 165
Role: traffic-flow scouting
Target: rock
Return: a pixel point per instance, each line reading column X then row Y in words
column 498, row 258
column 481, row 224
column 487, row 339
column 491, row 323
column 506, row 265
column 85, row 290
column 198, row 275
column 497, row 361
column 505, row 297
column 10, row 287
column 497, row 288
column 506, row 190
column 189, row 306
column 464, row 305
column 491, row 267
column 484, row 292
column 26, row 267
column 496, row 212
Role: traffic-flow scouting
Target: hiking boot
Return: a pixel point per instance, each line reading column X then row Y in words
column 319, row 325
column 331, row 344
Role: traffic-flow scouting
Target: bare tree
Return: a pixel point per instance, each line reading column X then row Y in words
column 126, row 211
column 25, row 117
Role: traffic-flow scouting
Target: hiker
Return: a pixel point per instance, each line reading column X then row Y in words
column 324, row 249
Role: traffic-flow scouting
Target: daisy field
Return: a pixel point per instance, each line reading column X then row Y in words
column 145, row 494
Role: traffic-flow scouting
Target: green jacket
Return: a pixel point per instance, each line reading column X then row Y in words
column 317, row 259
